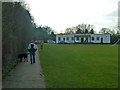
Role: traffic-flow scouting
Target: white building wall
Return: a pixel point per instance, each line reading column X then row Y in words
column 89, row 39
column 77, row 40
column 56, row 38
column 69, row 38
column 95, row 38
column 65, row 36
column 106, row 38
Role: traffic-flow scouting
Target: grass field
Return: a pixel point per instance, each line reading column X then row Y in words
column 80, row 66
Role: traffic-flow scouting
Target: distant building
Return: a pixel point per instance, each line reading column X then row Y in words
column 83, row 38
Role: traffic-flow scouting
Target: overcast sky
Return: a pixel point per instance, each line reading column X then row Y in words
column 61, row 14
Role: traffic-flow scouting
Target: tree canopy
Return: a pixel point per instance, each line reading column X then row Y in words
column 80, row 29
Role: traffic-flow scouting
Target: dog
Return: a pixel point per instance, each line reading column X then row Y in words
column 23, row 56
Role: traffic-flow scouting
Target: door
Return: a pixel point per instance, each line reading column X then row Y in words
column 81, row 40
column 101, row 40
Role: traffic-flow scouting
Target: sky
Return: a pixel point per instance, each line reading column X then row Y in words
column 62, row 14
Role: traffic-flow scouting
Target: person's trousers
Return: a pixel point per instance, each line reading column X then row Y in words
column 32, row 57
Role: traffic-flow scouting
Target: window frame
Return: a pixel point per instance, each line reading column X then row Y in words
column 59, row 38
column 93, row 38
column 72, row 38
column 77, row 38
column 68, row 38
column 98, row 38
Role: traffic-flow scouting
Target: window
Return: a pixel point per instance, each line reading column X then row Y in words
column 64, row 39
column 77, row 38
column 72, row 38
column 82, row 40
column 67, row 38
column 59, row 38
column 97, row 38
column 93, row 38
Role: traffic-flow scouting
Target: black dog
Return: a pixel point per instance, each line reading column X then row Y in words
column 23, row 56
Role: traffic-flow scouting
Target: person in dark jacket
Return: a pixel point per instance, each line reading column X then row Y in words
column 32, row 48
column 41, row 46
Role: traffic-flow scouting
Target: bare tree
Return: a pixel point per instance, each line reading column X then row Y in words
column 69, row 31
column 84, row 28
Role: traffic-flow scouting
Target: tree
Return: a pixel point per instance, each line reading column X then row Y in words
column 105, row 31
column 44, row 33
column 86, row 31
column 52, row 36
column 91, row 31
column 79, row 31
column 17, row 31
column 84, row 28
column 69, row 31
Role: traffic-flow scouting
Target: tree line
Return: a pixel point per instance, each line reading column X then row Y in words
column 43, row 33
column 80, row 29
column 16, row 32
column 18, row 29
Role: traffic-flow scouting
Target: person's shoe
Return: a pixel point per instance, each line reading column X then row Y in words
column 33, row 62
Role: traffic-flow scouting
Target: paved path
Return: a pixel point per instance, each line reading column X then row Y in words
column 25, row 75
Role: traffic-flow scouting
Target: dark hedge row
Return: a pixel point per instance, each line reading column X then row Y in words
column 17, row 32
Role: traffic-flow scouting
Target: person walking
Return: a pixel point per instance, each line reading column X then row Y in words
column 32, row 48
column 41, row 46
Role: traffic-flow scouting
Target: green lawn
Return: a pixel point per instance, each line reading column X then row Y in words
column 80, row 66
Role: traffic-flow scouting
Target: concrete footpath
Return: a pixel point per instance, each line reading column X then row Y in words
column 25, row 75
